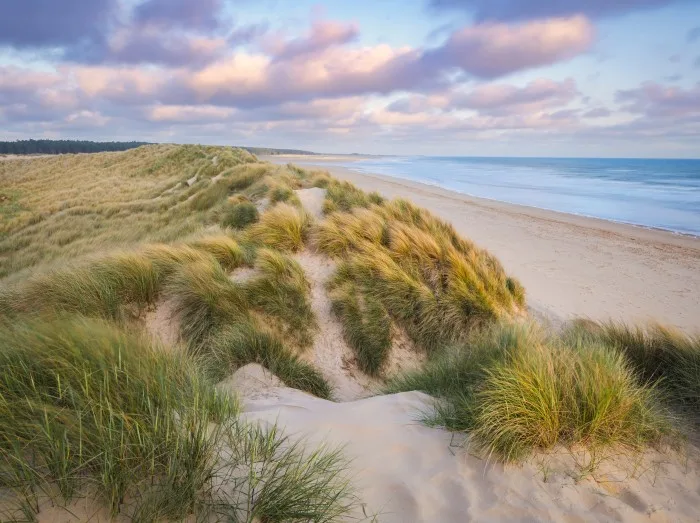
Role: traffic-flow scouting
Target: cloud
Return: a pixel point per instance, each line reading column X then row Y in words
column 187, row 113
column 331, row 70
column 188, row 14
column 322, row 35
column 507, row 99
column 658, row 101
column 510, row 10
column 598, row 112
column 43, row 23
column 150, row 45
column 493, row 49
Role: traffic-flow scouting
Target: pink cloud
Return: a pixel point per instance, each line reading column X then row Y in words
column 656, row 100
column 18, row 79
column 322, row 35
column 187, row 113
column 536, row 95
column 495, row 49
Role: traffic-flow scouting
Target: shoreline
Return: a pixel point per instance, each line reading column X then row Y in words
column 570, row 265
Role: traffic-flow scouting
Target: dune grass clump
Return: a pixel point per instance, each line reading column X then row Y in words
column 281, row 293
column 344, row 196
column 222, row 320
column 204, row 299
column 88, row 410
column 658, row 354
column 366, row 324
column 282, row 227
column 118, row 285
column 85, row 403
column 241, row 343
column 224, row 248
column 437, row 285
column 240, row 215
column 517, row 390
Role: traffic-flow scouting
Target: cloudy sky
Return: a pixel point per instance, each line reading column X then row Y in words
column 457, row 77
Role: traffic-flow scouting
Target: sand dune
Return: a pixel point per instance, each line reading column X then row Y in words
column 570, row 265
column 407, row 472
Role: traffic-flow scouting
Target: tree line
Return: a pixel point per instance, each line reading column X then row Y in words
column 64, row 146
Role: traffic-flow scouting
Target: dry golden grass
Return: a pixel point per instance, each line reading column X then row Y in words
column 435, row 283
column 283, row 227
column 105, row 235
column 72, row 205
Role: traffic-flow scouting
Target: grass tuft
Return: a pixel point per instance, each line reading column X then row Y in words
column 240, row 215
column 366, row 324
column 204, row 300
column 282, row 227
column 89, row 410
column 241, row 343
column 281, row 293
column 517, row 390
column 658, row 354
column 437, row 285
column 224, row 248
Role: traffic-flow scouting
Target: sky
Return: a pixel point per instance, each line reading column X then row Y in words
column 581, row 78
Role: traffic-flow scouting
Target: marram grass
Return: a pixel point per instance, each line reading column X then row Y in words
column 516, row 390
column 89, row 410
column 282, row 227
column 117, row 285
column 658, row 354
column 435, row 284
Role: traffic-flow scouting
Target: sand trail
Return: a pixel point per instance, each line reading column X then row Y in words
column 330, row 353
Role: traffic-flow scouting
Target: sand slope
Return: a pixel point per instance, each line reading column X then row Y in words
column 407, row 472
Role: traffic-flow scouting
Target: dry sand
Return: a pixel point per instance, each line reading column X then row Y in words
column 570, row 265
column 408, row 472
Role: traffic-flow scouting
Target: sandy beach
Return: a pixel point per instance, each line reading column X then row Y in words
column 570, row 265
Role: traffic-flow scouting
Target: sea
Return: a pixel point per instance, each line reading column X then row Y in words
column 654, row 193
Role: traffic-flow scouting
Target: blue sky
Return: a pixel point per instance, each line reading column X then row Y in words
column 446, row 77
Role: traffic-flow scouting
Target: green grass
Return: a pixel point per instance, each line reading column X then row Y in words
column 89, row 410
column 518, row 390
column 658, row 354
column 434, row 283
column 116, row 286
column 281, row 293
column 217, row 318
column 75, row 205
column 366, row 324
column 204, row 300
column 241, row 343
column 343, row 196
column 240, row 215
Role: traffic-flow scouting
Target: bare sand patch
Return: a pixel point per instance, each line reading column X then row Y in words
column 312, row 200
column 243, row 274
column 252, row 382
column 408, row 472
column 330, row 354
column 161, row 324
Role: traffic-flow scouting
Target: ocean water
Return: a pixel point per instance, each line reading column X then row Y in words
column 656, row 193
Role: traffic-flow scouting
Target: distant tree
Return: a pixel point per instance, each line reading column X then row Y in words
column 64, row 146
